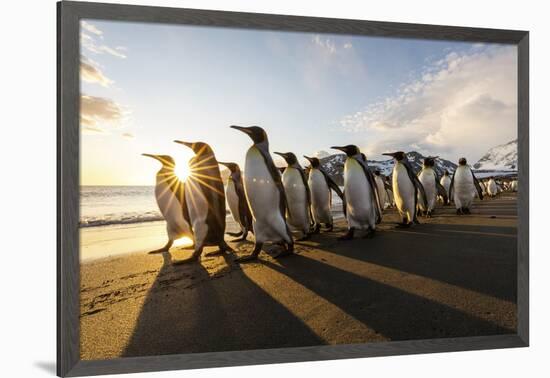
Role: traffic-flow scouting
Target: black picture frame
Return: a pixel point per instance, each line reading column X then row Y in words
column 68, row 135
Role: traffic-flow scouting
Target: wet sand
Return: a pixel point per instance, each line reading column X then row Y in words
column 451, row 276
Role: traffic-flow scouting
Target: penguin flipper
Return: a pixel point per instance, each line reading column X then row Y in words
column 344, row 204
column 276, row 176
column 478, row 187
column 332, row 185
column 417, row 184
column 451, row 186
column 374, row 188
column 441, row 191
column 244, row 209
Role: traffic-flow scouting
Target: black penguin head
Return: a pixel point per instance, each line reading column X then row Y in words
column 350, row 150
column 446, row 173
column 399, row 155
column 462, row 161
column 256, row 133
column 289, row 157
column 199, row 148
column 377, row 172
column 233, row 167
column 166, row 161
column 429, row 161
column 315, row 162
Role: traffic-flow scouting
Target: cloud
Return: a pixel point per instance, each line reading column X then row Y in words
column 88, row 39
column 90, row 28
column 462, row 104
column 128, row 136
column 324, row 43
column 321, row 154
column 91, row 73
column 98, row 114
column 329, row 58
column 90, row 44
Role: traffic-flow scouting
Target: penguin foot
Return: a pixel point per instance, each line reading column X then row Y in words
column 304, row 238
column 285, row 252
column 403, row 225
column 162, row 250
column 429, row 214
column 348, row 235
column 234, row 234
column 317, row 229
column 466, row 211
column 330, row 227
column 459, row 212
column 370, row 234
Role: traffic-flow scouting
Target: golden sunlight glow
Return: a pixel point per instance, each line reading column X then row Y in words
column 183, row 242
column 182, row 171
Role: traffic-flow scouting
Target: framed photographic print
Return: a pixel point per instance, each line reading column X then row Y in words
column 240, row 189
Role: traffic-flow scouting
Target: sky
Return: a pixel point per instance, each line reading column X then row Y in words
column 144, row 85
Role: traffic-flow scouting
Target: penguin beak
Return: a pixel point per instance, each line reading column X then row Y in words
column 392, row 154
column 280, row 154
column 308, row 158
column 245, row 130
column 187, row 144
column 156, row 157
column 343, row 149
column 223, row 163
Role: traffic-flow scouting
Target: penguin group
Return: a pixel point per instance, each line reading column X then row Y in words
column 275, row 204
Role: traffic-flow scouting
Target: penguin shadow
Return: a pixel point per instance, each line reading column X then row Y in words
column 479, row 258
column 190, row 310
column 391, row 312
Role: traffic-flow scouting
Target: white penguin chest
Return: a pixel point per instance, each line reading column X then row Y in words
column 427, row 179
column 232, row 199
column 463, row 181
column 320, row 192
column 445, row 182
column 294, row 186
column 196, row 203
column 402, row 185
column 172, row 209
column 356, row 187
column 261, row 191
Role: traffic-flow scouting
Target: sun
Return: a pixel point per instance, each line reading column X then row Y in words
column 182, row 171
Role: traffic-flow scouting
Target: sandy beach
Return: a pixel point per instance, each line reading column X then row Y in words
column 451, row 276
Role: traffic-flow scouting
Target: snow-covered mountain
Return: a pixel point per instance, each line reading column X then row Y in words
column 503, row 157
column 334, row 165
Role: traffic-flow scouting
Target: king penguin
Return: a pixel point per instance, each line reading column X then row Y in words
column 360, row 192
column 170, row 196
column 407, row 189
column 381, row 186
column 492, row 189
column 446, row 184
column 265, row 194
column 432, row 187
column 320, row 185
column 236, row 199
column 297, row 195
column 463, row 184
column 205, row 199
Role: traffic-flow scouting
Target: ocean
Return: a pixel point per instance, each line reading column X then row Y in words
column 116, row 220
column 118, row 205
column 113, row 205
